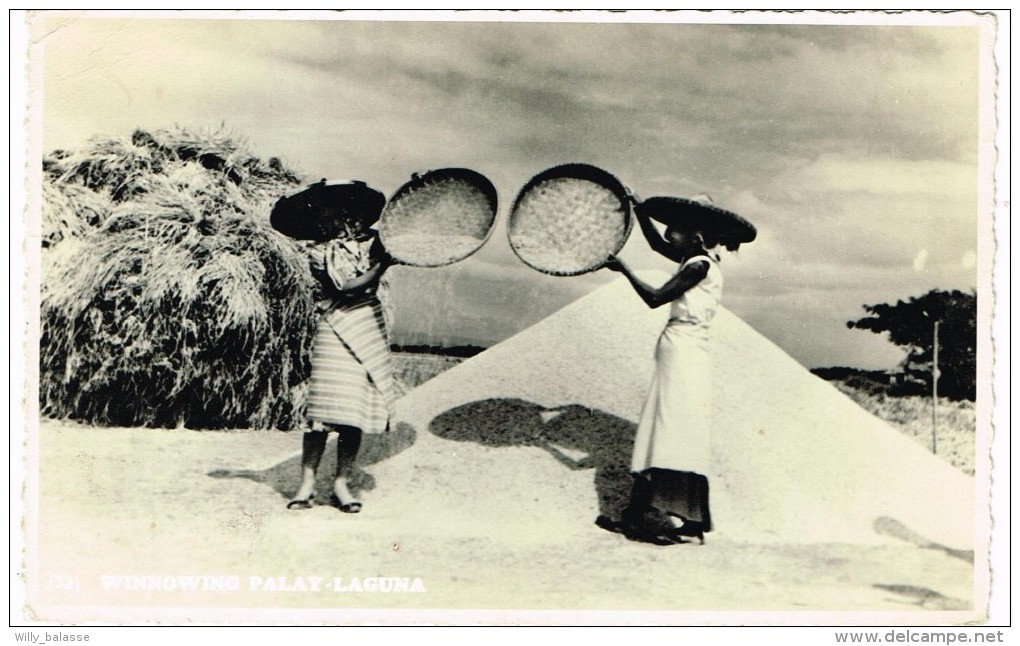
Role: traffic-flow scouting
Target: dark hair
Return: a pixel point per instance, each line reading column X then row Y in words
column 713, row 238
column 709, row 238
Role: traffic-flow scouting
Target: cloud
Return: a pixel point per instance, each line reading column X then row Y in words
column 849, row 147
column 969, row 259
column 813, row 330
column 890, row 176
column 920, row 259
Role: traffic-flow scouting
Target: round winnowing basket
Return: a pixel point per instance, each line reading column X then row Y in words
column 570, row 219
column 439, row 218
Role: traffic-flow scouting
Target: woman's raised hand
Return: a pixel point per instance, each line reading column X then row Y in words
column 316, row 257
column 633, row 198
column 387, row 260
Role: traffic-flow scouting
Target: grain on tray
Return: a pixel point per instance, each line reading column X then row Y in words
column 448, row 206
column 430, row 250
column 568, row 225
column 561, row 257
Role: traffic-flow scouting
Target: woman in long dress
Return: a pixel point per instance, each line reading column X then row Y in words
column 351, row 388
column 669, row 498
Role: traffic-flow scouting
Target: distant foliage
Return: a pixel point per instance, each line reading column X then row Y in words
column 458, row 351
column 910, row 324
column 412, row 369
column 869, row 381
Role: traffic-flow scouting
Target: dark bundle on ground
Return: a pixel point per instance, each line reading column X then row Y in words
column 179, row 305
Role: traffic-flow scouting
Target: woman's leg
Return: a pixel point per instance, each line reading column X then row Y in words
column 640, row 498
column 640, row 521
column 313, row 445
column 347, row 447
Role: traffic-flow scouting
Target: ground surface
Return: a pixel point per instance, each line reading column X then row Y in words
column 178, row 502
column 484, row 495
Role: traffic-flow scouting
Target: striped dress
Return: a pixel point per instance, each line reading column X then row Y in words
column 352, row 377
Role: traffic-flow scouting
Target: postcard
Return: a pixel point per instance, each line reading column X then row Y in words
column 510, row 317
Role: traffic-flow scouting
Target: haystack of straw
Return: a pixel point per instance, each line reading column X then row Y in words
column 167, row 299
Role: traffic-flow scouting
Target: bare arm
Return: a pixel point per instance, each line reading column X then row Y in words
column 655, row 240
column 373, row 273
column 673, row 289
column 383, row 256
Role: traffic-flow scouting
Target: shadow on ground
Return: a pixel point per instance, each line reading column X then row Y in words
column 285, row 476
column 575, row 436
column 892, row 527
column 923, row 597
column 916, row 595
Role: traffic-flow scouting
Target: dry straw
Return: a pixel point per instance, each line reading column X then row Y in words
column 178, row 305
column 439, row 218
column 569, row 220
column 69, row 211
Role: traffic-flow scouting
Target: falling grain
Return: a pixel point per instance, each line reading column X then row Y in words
column 427, row 250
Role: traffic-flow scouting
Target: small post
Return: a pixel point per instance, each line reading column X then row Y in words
column 935, row 389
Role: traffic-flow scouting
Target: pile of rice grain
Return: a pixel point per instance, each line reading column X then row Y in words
column 175, row 303
column 793, row 460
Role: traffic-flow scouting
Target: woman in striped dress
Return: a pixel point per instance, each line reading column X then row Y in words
column 351, row 389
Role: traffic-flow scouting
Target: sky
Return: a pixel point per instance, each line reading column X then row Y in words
column 855, row 149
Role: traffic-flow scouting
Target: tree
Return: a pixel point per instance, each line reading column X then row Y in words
column 911, row 324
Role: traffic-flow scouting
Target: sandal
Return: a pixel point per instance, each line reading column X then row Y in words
column 301, row 503
column 610, row 525
column 689, row 529
column 636, row 533
column 351, row 507
column 646, row 535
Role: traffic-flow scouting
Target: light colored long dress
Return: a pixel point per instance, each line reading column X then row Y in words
column 675, row 425
column 352, row 378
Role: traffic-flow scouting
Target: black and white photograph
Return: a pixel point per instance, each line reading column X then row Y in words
column 673, row 318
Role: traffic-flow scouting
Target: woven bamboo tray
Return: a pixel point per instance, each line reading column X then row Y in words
column 569, row 220
column 439, row 218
